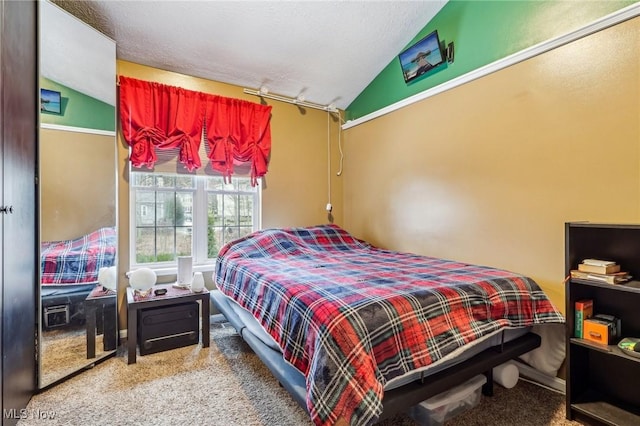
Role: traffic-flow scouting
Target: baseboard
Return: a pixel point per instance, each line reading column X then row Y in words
column 534, row 376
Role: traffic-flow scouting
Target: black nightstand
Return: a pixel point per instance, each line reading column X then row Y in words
column 175, row 297
column 100, row 312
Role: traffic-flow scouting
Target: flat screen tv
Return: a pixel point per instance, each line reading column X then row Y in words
column 421, row 57
column 50, row 101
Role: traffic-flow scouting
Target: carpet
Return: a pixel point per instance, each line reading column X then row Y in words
column 227, row 384
column 64, row 351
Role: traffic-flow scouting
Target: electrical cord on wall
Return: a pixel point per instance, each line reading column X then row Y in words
column 329, row 206
column 339, row 173
column 340, row 123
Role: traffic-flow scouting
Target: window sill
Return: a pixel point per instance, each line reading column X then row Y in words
column 173, row 270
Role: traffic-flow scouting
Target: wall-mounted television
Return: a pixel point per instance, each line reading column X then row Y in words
column 421, row 57
column 50, row 101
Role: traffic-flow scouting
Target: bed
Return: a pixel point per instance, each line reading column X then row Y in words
column 357, row 333
column 69, row 271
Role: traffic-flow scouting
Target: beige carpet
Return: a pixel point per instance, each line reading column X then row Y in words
column 227, row 384
column 64, row 351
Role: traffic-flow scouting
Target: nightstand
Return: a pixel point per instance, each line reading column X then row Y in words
column 100, row 313
column 173, row 298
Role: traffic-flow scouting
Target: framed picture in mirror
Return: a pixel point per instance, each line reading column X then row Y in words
column 50, row 101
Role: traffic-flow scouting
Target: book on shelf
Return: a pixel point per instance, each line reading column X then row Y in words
column 598, row 262
column 583, row 311
column 614, row 278
column 599, row 269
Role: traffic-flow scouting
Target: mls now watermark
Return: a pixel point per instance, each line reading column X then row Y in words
column 23, row 414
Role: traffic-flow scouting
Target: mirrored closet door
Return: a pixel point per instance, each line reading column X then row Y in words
column 77, row 202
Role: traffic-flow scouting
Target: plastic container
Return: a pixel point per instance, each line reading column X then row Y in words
column 440, row 408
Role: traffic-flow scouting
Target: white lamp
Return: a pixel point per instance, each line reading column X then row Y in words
column 141, row 280
column 107, row 277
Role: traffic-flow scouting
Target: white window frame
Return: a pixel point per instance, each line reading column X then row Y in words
column 199, row 220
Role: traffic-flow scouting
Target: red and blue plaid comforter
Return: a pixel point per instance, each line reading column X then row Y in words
column 351, row 316
column 79, row 260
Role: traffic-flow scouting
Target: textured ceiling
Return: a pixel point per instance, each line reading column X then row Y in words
column 76, row 56
column 325, row 51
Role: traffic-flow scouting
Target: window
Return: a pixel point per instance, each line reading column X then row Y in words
column 179, row 215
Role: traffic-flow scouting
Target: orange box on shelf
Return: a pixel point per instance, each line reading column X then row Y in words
column 602, row 329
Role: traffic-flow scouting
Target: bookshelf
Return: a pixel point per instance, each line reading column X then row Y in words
column 601, row 379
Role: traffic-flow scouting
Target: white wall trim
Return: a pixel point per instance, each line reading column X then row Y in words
column 614, row 18
column 77, row 129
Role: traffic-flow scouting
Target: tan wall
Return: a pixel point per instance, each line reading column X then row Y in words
column 295, row 190
column 77, row 184
column 490, row 171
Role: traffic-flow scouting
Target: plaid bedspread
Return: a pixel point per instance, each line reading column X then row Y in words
column 351, row 316
column 79, row 260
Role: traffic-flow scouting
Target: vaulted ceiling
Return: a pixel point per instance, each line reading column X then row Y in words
column 325, row 51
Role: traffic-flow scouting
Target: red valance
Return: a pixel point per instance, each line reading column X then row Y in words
column 158, row 116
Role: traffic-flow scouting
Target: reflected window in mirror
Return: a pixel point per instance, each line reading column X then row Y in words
column 175, row 215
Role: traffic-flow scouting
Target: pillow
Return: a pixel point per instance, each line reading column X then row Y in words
column 549, row 356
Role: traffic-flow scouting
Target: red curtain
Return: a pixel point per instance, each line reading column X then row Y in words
column 185, row 111
column 154, row 116
column 140, row 128
column 238, row 132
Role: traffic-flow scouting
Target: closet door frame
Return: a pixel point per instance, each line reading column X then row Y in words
column 18, row 232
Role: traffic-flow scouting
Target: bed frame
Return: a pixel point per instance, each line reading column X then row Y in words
column 63, row 305
column 395, row 400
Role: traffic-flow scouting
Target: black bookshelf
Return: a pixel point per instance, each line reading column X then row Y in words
column 601, row 380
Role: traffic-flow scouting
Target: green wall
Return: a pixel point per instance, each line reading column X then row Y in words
column 482, row 32
column 79, row 110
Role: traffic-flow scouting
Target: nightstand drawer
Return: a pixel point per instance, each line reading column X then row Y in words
column 170, row 327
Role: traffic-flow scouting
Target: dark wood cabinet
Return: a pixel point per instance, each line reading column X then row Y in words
column 601, row 380
column 18, row 253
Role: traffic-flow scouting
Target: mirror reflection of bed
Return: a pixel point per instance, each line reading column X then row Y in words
column 78, row 241
column 77, row 196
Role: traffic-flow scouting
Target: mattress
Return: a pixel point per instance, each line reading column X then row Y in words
column 79, row 260
column 51, row 291
column 253, row 326
column 357, row 320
